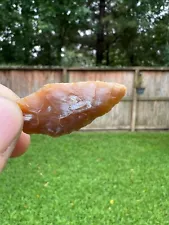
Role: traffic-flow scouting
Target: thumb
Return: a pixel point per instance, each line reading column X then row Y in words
column 10, row 128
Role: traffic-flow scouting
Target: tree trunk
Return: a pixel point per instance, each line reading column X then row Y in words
column 59, row 57
column 107, row 44
column 107, row 54
column 131, row 58
column 100, row 34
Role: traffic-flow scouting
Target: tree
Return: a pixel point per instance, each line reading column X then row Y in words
column 130, row 28
column 98, row 32
column 16, row 31
column 35, row 32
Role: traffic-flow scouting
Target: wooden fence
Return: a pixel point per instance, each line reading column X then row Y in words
column 149, row 111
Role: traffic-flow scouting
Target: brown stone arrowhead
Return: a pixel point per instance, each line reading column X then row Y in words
column 61, row 108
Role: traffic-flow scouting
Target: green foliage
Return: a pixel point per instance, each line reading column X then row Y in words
column 59, row 22
column 36, row 31
column 16, row 31
column 132, row 32
column 72, row 58
column 136, row 40
column 88, row 179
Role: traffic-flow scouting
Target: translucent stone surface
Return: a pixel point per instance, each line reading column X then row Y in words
column 61, row 108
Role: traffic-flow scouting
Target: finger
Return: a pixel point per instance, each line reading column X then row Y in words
column 24, row 139
column 21, row 146
column 11, row 122
column 7, row 93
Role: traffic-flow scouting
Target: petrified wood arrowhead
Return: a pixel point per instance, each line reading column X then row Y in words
column 61, row 108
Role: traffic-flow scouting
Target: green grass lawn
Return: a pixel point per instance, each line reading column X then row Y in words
column 89, row 179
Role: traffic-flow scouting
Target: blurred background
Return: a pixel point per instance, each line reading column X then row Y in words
column 90, row 178
column 84, row 33
column 124, row 41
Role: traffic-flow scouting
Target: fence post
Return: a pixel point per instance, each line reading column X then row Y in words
column 65, row 76
column 134, row 103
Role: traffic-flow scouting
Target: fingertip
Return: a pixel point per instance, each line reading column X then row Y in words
column 21, row 146
column 11, row 122
column 7, row 93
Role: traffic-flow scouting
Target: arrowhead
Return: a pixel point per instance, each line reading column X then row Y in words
column 61, row 108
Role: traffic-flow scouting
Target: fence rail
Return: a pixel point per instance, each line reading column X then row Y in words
column 148, row 111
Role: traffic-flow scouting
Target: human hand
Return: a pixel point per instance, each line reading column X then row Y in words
column 13, row 142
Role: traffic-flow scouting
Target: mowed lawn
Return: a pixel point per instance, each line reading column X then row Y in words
column 89, row 179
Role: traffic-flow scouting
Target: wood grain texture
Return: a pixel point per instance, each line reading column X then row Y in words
column 152, row 107
column 24, row 82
